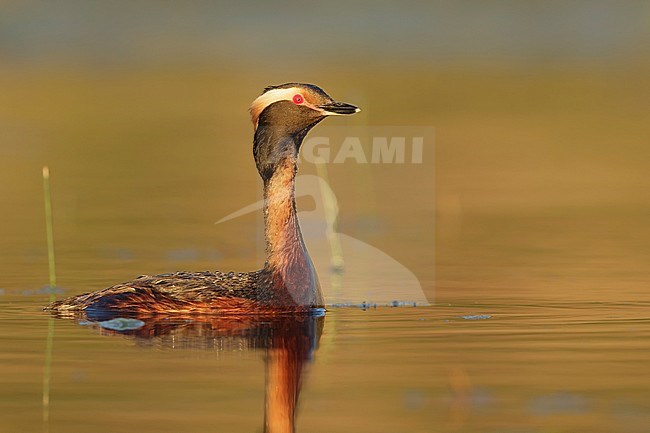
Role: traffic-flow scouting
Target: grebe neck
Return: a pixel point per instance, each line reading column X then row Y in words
column 291, row 270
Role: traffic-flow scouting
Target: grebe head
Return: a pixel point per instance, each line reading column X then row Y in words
column 282, row 115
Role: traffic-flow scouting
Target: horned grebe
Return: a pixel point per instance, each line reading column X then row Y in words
column 282, row 116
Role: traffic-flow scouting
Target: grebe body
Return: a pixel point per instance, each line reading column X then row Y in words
column 282, row 116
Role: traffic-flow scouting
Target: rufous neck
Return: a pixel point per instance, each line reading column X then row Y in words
column 291, row 268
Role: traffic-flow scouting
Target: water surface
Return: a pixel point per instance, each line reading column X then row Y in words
column 530, row 241
column 490, row 367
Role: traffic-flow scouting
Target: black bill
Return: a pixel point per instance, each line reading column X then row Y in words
column 339, row 108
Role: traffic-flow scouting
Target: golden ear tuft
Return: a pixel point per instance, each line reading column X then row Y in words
column 269, row 97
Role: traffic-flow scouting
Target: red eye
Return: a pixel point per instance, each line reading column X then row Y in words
column 297, row 99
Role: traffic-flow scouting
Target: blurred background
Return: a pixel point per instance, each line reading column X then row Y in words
column 527, row 223
column 536, row 185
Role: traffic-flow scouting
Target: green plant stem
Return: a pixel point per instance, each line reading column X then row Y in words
column 50, row 232
column 49, row 342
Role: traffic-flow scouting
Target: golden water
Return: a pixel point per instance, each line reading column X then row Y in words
column 536, row 267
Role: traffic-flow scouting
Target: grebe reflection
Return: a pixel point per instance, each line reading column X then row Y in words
column 288, row 342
